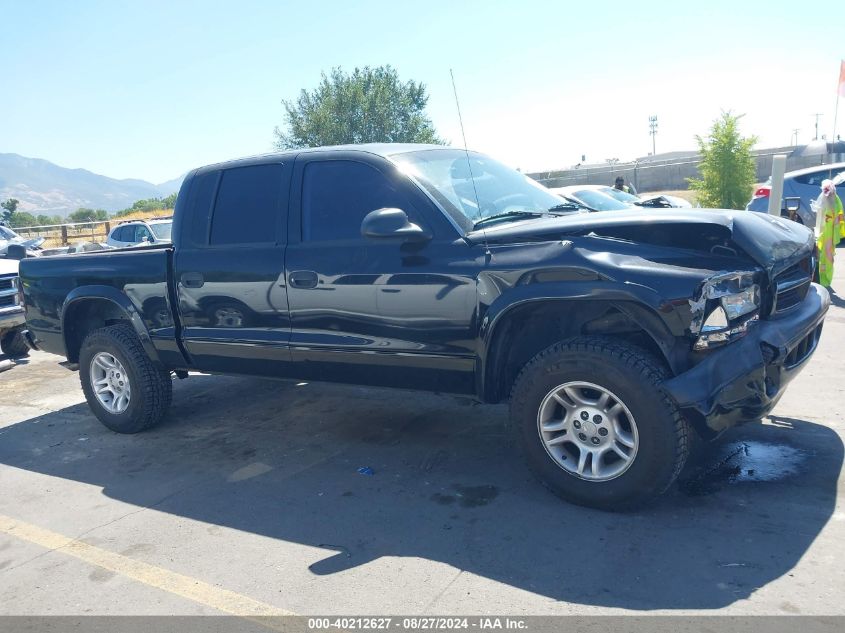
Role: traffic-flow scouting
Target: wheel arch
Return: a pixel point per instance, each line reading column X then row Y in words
column 526, row 328
column 87, row 308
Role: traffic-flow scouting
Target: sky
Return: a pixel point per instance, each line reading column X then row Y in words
column 151, row 89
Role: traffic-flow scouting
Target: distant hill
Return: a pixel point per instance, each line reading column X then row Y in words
column 43, row 187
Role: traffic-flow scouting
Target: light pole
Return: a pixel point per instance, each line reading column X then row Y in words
column 652, row 130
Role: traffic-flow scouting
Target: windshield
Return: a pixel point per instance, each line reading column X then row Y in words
column 162, row 230
column 598, row 201
column 448, row 176
column 622, row 196
column 6, row 234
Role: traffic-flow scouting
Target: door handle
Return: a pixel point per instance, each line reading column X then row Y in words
column 303, row 279
column 192, row 280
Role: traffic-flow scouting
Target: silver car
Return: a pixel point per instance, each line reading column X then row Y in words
column 138, row 232
column 652, row 201
column 591, row 197
column 802, row 186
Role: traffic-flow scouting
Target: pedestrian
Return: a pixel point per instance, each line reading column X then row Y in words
column 828, row 209
column 621, row 186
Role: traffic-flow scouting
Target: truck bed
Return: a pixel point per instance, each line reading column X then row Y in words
column 135, row 279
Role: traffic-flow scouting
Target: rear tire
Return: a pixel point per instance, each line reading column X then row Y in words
column 604, row 399
column 13, row 344
column 125, row 390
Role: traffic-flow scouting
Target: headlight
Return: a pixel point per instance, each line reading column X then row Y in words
column 741, row 303
column 726, row 306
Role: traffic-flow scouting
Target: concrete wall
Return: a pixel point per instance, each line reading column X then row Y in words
column 666, row 174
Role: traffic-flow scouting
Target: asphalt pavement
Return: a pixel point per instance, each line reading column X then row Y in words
column 265, row 497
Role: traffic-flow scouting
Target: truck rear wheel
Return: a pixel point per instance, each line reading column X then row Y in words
column 596, row 426
column 125, row 390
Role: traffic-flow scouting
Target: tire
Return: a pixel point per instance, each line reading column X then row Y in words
column 149, row 387
column 625, row 477
column 12, row 344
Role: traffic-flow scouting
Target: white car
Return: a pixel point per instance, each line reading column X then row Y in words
column 650, row 200
column 591, row 197
column 12, row 317
column 138, row 232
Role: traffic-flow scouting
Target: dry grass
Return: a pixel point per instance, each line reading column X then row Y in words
column 144, row 215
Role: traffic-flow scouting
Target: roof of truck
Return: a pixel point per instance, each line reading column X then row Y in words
column 380, row 149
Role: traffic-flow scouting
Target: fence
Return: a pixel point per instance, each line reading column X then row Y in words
column 655, row 174
column 64, row 234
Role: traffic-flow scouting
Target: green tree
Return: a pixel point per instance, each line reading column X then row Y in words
column 169, row 202
column 88, row 215
column 728, row 169
column 9, row 207
column 370, row 105
column 22, row 218
column 46, row 220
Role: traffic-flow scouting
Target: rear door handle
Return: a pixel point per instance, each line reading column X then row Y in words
column 192, row 280
column 303, row 279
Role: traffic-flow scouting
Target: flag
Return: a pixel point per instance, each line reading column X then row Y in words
column 842, row 79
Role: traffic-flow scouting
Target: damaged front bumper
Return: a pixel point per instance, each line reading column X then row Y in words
column 744, row 380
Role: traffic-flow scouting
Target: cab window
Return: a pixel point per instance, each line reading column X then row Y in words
column 248, row 205
column 338, row 194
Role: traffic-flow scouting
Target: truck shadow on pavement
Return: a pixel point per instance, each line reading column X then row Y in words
column 440, row 480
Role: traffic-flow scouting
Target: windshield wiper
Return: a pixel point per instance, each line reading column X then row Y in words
column 509, row 214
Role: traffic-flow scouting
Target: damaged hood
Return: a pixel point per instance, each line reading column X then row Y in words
column 772, row 243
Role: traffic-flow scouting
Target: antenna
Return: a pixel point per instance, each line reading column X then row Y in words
column 469, row 164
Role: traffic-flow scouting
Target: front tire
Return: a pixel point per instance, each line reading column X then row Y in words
column 12, row 344
column 595, row 424
column 125, row 390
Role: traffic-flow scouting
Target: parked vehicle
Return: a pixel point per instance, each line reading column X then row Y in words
column 652, row 201
column 592, row 197
column 803, row 185
column 79, row 247
column 663, row 201
column 138, row 232
column 8, row 237
column 615, row 336
column 12, row 318
column 613, row 192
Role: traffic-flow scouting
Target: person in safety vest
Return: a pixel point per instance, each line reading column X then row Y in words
column 620, row 184
column 828, row 209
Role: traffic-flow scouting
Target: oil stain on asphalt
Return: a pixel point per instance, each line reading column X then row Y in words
column 744, row 462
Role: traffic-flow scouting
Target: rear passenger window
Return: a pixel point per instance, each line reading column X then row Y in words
column 247, row 207
column 122, row 233
column 337, row 194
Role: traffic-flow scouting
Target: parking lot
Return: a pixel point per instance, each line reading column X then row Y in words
column 248, row 499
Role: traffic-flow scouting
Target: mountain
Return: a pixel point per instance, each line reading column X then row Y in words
column 43, row 187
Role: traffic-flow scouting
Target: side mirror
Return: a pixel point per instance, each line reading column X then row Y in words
column 392, row 223
column 16, row 251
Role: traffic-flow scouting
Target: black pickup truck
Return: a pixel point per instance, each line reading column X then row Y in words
column 615, row 335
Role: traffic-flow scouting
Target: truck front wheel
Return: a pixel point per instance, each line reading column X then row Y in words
column 596, row 426
column 125, row 390
column 13, row 344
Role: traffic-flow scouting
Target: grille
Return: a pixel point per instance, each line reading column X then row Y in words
column 802, row 351
column 792, row 285
column 8, row 292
